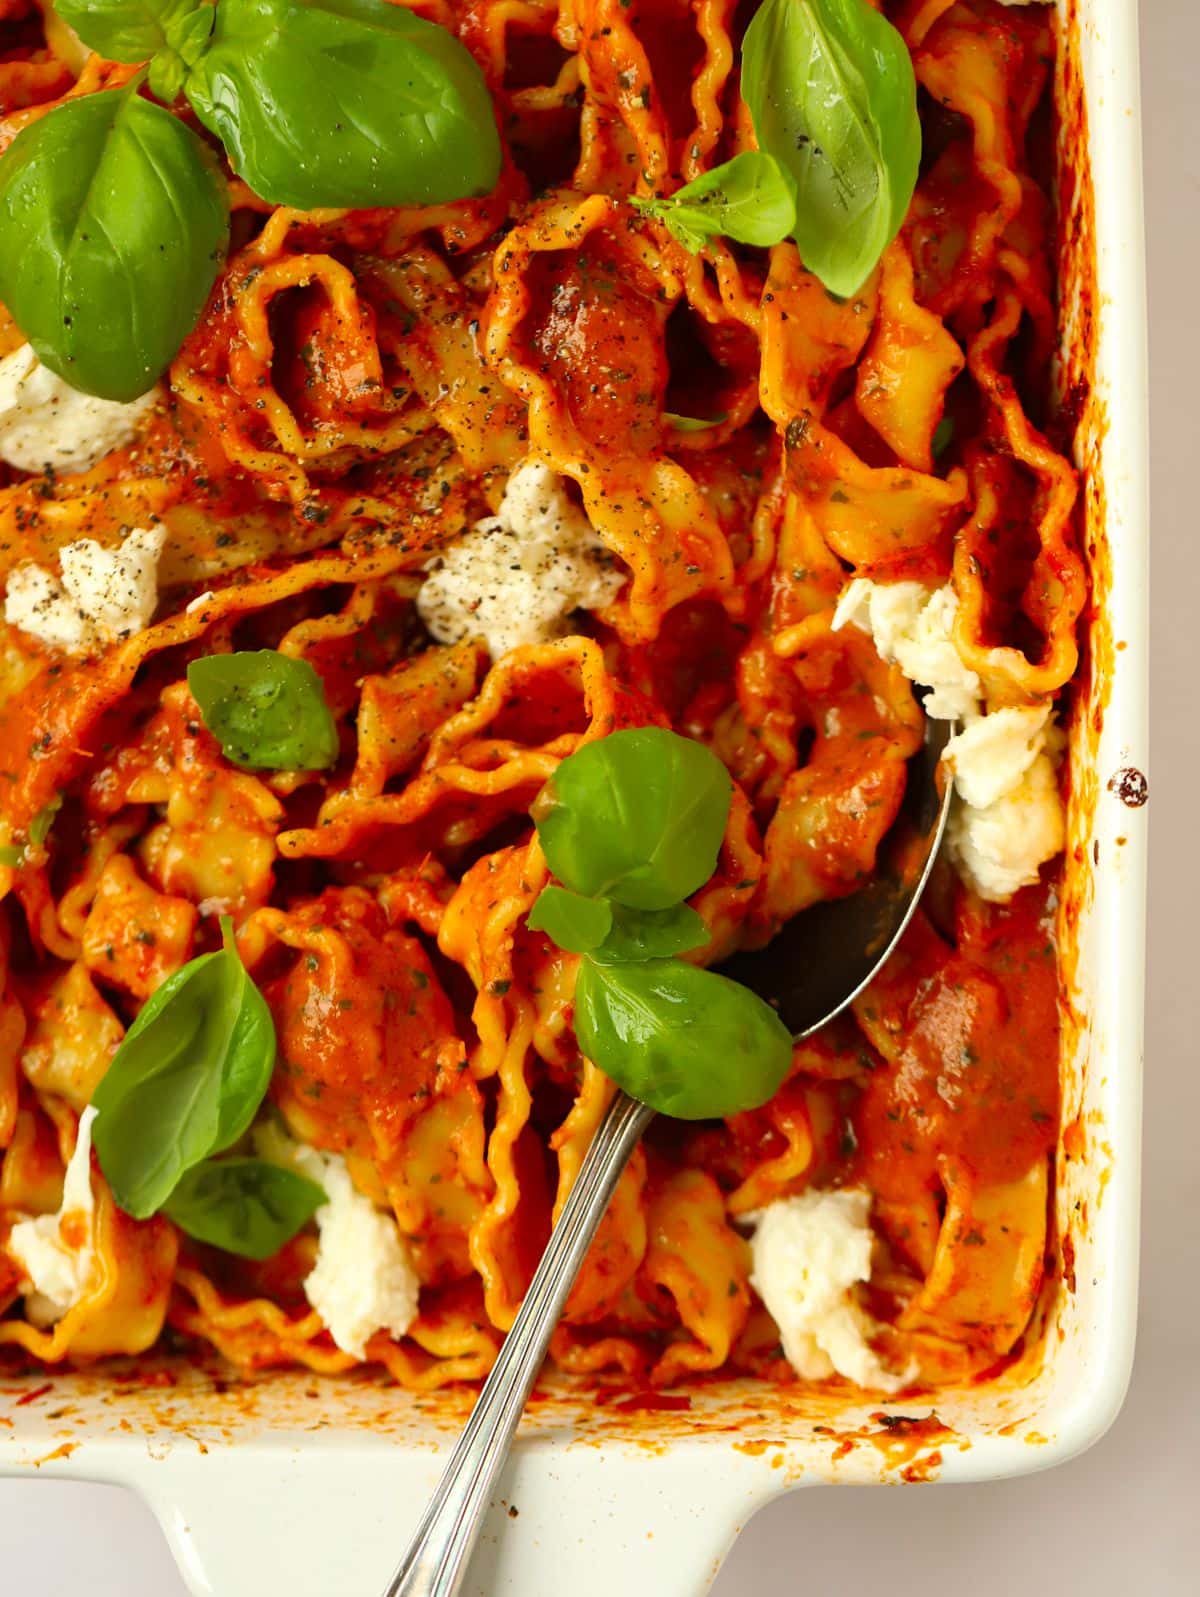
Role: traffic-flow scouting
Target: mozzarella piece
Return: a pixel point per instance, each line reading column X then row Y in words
column 36, row 601
column 104, row 595
column 57, row 1272
column 46, row 425
column 363, row 1280
column 808, row 1253
column 997, row 849
column 991, row 755
column 516, row 577
column 913, row 628
column 1007, row 817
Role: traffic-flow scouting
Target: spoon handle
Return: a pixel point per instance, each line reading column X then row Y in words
column 438, row 1554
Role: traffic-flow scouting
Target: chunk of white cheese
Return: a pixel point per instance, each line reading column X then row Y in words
column 103, row 595
column 58, row 1267
column 808, row 1253
column 517, row 576
column 1007, row 817
column 913, row 627
column 997, row 849
column 991, row 755
column 45, row 424
column 363, row 1280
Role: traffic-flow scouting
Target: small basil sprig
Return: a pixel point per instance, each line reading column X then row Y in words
column 636, row 817
column 833, row 97
column 612, row 933
column 130, row 30
column 267, row 710
column 632, row 824
column 244, row 1206
column 115, row 220
column 747, row 199
column 186, row 1080
column 113, row 214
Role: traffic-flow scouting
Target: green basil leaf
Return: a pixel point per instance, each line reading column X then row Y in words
column 189, row 33
column 188, row 37
column 686, row 1041
column 39, row 827
column 637, row 817
column 346, row 103
column 267, row 710
column 166, row 76
column 748, row 199
column 187, row 1079
column 245, row 1206
column 943, row 436
column 573, row 922
column 122, row 30
column 114, row 220
column 833, row 97
column 693, row 424
column 640, row 934
column 13, row 854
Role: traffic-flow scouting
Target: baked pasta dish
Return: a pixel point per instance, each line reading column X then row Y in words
column 491, row 492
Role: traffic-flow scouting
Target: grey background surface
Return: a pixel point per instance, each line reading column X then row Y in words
column 1122, row 1517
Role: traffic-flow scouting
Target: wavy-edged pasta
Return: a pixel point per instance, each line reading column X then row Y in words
column 354, row 398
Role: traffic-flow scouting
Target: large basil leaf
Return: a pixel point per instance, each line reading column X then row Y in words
column 832, row 94
column 114, row 223
column 245, row 1206
column 748, row 199
column 186, row 1081
column 637, row 817
column 266, row 709
column 347, row 103
column 686, row 1041
column 124, row 30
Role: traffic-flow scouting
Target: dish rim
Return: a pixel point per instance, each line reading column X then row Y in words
column 567, row 1464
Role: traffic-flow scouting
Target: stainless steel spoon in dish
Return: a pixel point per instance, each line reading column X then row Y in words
column 811, row 970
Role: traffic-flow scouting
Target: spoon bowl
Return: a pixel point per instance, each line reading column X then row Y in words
column 820, row 960
column 810, row 971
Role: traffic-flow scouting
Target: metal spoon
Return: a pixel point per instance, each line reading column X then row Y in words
column 812, row 969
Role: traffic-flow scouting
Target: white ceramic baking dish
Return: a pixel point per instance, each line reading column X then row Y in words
column 309, row 1487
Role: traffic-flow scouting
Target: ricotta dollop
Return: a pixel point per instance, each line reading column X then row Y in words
column 808, row 1253
column 363, row 1280
column 1007, row 817
column 516, row 576
column 103, row 595
column 46, row 425
column 59, row 1262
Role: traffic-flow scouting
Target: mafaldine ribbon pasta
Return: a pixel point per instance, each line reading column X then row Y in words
column 511, row 474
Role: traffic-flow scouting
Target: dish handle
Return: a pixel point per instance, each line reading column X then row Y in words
column 331, row 1521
